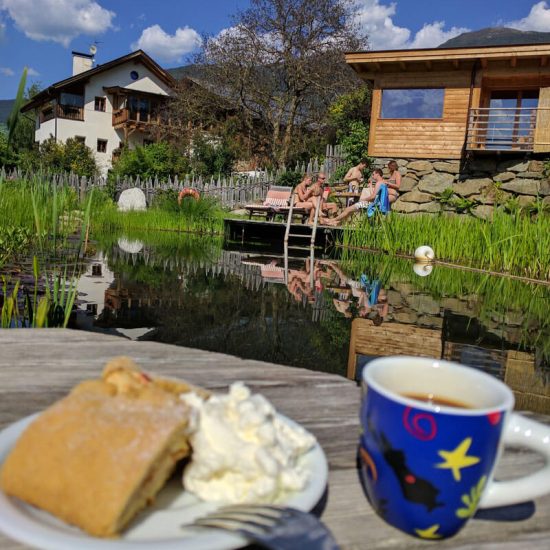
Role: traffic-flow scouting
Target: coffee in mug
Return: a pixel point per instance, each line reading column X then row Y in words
column 432, row 432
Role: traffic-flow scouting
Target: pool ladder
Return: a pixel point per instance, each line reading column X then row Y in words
column 311, row 236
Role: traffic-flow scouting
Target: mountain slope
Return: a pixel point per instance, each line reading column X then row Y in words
column 496, row 36
column 6, row 106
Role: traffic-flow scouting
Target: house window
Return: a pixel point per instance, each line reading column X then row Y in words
column 99, row 104
column 413, row 103
column 101, row 145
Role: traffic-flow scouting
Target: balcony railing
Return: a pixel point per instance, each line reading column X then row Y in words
column 63, row 111
column 123, row 116
column 495, row 129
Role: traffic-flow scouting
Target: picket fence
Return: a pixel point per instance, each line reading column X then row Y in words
column 231, row 191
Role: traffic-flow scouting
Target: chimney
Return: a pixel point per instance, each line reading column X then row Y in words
column 82, row 62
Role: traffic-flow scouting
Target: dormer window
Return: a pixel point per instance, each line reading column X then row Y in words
column 99, row 104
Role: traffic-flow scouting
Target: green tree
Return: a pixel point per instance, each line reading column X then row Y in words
column 56, row 156
column 154, row 160
column 212, row 157
column 350, row 115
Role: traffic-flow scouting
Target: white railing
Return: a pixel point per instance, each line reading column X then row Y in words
column 496, row 129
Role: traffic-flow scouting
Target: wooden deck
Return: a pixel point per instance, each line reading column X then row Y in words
column 273, row 232
column 39, row 366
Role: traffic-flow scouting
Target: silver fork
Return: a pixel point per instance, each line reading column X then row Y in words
column 273, row 527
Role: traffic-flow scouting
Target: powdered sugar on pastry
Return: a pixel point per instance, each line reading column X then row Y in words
column 243, row 452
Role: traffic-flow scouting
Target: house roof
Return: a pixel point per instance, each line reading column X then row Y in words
column 375, row 61
column 137, row 56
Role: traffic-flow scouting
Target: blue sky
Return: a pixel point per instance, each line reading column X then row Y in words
column 40, row 34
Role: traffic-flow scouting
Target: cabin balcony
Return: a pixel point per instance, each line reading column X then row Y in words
column 130, row 118
column 69, row 112
column 502, row 129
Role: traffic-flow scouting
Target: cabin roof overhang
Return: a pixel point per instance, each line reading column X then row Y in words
column 138, row 56
column 370, row 63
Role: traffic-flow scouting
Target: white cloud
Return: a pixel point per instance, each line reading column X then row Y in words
column 377, row 19
column 538, row 19
column 433, row 34
column 6, row 71
column 58, row 20
column 32, row 72
column 161, row 45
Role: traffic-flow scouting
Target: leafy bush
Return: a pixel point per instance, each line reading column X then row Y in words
column 289, row 178
column 56, row 156
column 209, row 158
column 154, row 160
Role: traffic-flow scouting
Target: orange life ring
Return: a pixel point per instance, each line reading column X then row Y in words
column 188, row 192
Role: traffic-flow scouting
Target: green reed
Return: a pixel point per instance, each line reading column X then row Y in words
column 202, row 217
column 511, row 243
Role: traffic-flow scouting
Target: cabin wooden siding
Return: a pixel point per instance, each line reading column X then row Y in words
column 391, row 339
column 495, row 67
column 422, row 138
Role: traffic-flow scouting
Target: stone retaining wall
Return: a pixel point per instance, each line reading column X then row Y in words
column 481, row 184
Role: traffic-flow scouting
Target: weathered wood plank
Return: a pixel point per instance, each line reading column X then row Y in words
column 38, row 366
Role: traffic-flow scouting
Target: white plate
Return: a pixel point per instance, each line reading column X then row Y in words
column 159, row 527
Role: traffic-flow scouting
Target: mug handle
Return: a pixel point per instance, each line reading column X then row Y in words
column 522, row 432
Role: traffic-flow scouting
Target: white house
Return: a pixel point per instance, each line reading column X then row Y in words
column 107, row 106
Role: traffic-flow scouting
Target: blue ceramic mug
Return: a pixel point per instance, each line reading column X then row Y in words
column 432, row 432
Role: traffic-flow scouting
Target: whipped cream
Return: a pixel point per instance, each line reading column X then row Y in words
column 243, row 452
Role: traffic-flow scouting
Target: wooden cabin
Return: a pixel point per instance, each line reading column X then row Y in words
column 443, row 103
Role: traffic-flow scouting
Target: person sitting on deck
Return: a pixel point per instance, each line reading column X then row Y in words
column 325, row 208
column 303, row 194
column 368, row 194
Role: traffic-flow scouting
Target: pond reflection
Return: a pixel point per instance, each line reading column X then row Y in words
column 326, row 315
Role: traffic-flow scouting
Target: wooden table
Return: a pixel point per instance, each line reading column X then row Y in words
column 343, row 196
column 39, row 366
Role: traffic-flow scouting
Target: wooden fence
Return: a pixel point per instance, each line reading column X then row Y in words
column 232, row 191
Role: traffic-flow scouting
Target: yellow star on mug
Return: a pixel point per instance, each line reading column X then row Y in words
column 429, row 533
column 457, row 459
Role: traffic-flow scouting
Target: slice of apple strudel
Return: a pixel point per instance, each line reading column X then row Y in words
column 98, row 456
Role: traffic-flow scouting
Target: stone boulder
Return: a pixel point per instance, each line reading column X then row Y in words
column 436, row 182
column 423, row 304
column 525, row 200
column 503, row 177
column 544, row 190
column 420, row 166
column 416, row 196
column 546, row 202
column 132, row 199
column 530, row 175
column 471, row 187
column 407, row 184
column 522, row 186
column 450, row 166
column 483, row 212
column 513, row 165
column 130, row 246
column 536, row 166
column 415, row 208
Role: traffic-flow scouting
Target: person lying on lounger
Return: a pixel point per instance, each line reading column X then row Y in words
column 367, row 196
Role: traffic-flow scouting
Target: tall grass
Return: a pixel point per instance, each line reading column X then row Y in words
column 202, row 217
column 511, row 243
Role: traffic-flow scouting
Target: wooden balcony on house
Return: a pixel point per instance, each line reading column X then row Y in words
column 502, row 129
column 128, row 117
column 70, row 112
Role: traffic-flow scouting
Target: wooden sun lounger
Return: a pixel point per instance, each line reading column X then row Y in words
column 277, row 202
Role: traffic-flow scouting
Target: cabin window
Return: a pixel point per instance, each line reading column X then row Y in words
column 99, row 104
column 413, row 103
column 101, row 145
